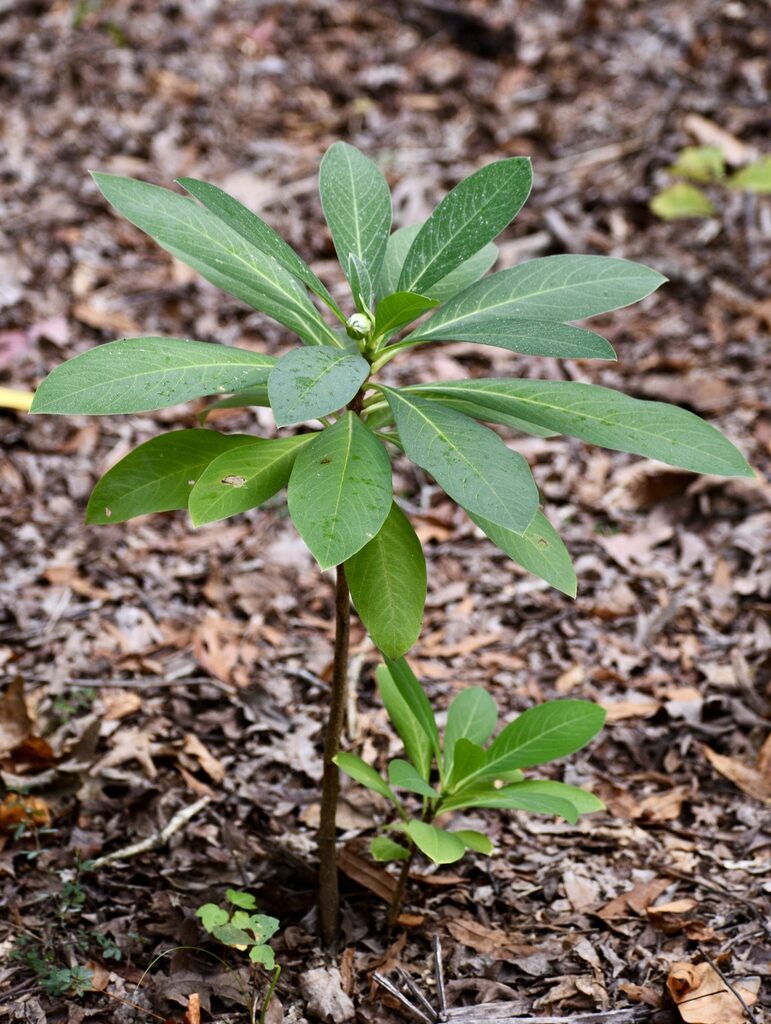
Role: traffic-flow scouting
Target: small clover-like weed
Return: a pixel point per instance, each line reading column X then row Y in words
column 464, row 770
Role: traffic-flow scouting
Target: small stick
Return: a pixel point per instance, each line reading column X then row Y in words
column 751, row 1016
column 439, row 970
column 407, row 980
column 394, row 991
column 157, row 839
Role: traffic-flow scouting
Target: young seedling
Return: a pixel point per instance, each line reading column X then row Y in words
column 458, row 771
column 338, row 469
column 235, row 925
column 702, row 170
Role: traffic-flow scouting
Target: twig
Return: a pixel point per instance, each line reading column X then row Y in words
column 157, row 839
column 439, row 971
column 394, row 991
column 726, row 982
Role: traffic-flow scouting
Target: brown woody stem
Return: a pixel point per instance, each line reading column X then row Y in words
column 395, row 907
column 329, row 896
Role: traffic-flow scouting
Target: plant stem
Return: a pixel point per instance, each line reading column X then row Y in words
column 401, row 884
column 329, row 899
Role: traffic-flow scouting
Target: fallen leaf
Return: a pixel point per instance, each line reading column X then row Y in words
column 582, row 893
column 363, row 871
column 637, row 899
column 120, row 703
column 618, row 710
column 570, row 679
column 213, row 768
column 662, row 806
column 480, row 938
column 323, row 989
column 702, row 997
column 130, row 745
column 707, row 133
column 17, row 809
column 749, row 780
column 15, row 722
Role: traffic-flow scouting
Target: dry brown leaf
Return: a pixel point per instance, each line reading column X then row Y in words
column 130, row 745
column 763, row 762
column 582, row 893
column 120, row 703
column 748, row 780
column 702, row 997
column 363, row 871
column 637, row 899
column 662, row 806
column 640, row 993
column 707, row 133
column 570, row 679
column 618, row 710
column 17, row 809
column 489, row 941
column 15, row 722
column 213, row 768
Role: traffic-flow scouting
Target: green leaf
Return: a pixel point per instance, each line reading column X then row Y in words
column 438, row 845
column 583, row 801
column 387, row 579
column 469, row 271
column 384, row 849
column 263, row 955
column 469, row 217
column 158, row 475
column 417, row 742
column 397, row 310
column 605, row 417
column 262, row 926
column 240, row 400
column 201, row 240
column 754, row 177
column 231, row 936
column 361, row 284
column 481, row 412
column 529, row 337
column 544, row 733
column 357, row 205
column 469, row 461
column 468, row 761
column 510, row 798
column 307, row 383
column 476, row 841
column 244, row 900
column 143, row 374
column 362, row 773
column 243, row 477
column 413, row 695
column 340, row 490
column 700, row 163
column 681, row 201
column 211, row 916
column 259, row 234
column 553, row 288
column 539, row 550
column 472, row 715
column 403, row 775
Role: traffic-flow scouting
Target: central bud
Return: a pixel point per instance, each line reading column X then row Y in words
column 359, row 326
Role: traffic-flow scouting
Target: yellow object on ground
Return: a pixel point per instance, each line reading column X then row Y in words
column 10, row 398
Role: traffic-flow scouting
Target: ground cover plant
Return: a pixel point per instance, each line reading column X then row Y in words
column 338, row 477
column 702, row 170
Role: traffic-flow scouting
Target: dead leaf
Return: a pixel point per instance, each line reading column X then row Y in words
column 120, row 703
column 582, row 893
column 707, row 133
column 130, row 745
column 662, row 806
column 15, row 722
column 570, row 679
column 213, row 768
column 327, row 1001
column 17, row 809
column 749, row 780
column 618, row 710
column 367, row 874
column 637, row 899
column 702, row 996
column 489, row 941
column 670, row 917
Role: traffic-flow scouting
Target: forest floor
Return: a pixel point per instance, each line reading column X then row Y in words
column 161, row 665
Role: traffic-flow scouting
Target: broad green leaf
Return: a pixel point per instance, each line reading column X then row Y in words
column 754, row 177
column 468, row 761
column 700, row 163
column 261, row 235
column 469, row 217
column 158, row 476
column 511, row 798
column 472, row 715
column 361, row 284
column 608, row 418
column 544, row 733
column 403, row 775
column 414, row 695
column 197, row 237
column 473, row 840
column 554, row 288
column 340, row 490
column 481, row 412
column 397, row 310
column 387, row 579
column 681, row 201
column 310, row 382
column 244, row 900
column 357, row 205
column 438, row 845
column 469, row 271
column 583, row 801
column 232, row 936
column 262, row 926
column 143, row 374
column 469, row 461
column 362, row 773
column 240, row 400
column 244, row 477
column 211, row 916
column 263, row 955
column 417, row 742
column 384, row 849
column 529, row 337
column 539, row 550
